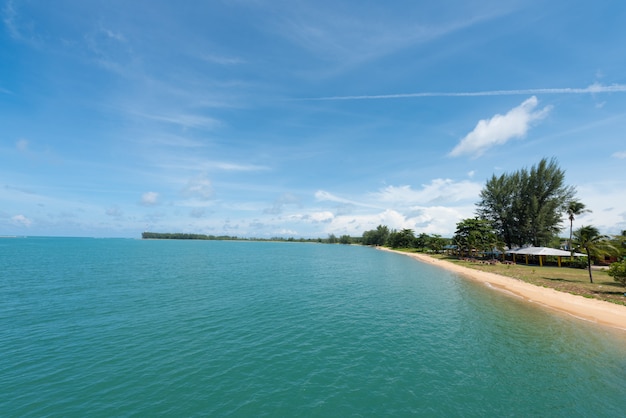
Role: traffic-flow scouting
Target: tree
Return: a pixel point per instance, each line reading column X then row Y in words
column 376, row 236
column 401, row 239
column 619, row 242
column 497, row 205
column 525, row 207
column 618, row 272
column 422, row 241
column 473, row 234
column 345, row 239
column 437, row 243
column 574, row 208
column 594, row 244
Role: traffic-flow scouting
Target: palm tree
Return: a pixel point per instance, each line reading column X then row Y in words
column 594, row 243
column 574, row 208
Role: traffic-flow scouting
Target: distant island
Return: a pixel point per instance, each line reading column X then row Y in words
column 179, row 235
column 332, row 239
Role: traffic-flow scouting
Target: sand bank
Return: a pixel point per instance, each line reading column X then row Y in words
column 594, row 310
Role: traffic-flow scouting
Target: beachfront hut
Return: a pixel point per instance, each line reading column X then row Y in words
column 541, row 252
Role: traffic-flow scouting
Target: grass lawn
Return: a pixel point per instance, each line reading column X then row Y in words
column 564, row 279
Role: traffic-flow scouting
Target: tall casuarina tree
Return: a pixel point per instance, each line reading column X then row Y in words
column 526, row 207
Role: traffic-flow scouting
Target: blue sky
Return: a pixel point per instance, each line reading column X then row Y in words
column 294, row 118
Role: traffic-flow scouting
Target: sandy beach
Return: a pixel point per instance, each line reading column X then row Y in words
column 594, row 310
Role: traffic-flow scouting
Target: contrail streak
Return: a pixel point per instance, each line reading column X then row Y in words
column 592, row 89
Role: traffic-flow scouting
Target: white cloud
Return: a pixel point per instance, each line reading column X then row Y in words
column 500, row 128
column 150, row 199
column 238, row 167
column 324, row 216
column 430, row 220
column 434, row 208
column 199, row 188
column 439, row 191
column 619, row 154
column 21, row 220
column 324, row 196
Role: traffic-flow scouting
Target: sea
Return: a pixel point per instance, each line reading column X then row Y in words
column 142, row 328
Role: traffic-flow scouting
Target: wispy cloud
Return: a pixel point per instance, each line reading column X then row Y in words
column 500, row 129
column 9, row 16
column 351, row 37
column 285, row 199
column 437, row 192
column 595, row 88
column 222, row 60
column 324, row 196
column 149, row 199
column 21, row 220
column 238, row 167
column 22, row 145
column 114, row 211
column 199, row 187
column 184, row 120
column 619, row 154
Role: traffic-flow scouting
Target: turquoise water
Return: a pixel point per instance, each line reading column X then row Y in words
column 113, row 327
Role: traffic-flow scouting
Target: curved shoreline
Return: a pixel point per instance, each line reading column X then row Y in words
column 594, row 310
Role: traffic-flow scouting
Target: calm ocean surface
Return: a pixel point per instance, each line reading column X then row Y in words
column 114, row 327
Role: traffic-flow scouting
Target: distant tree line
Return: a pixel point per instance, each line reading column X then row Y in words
column 179, row 235
column 405, row 238
column 332, row 239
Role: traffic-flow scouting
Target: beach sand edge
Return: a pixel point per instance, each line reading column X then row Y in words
column 594, row 310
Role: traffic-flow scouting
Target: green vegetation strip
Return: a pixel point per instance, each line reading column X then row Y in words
column 564, row 279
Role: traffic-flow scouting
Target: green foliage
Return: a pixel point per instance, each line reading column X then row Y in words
column 474, row 235
column 573, row 209
column 401, row 239
column 589, row 239
column 619, row 242
column 422, row 241
column 525, row 207
column 376, row 236
column 345, row 239
column 437, row 243
column 178, row 235
column 618, row 272
column 577, row 263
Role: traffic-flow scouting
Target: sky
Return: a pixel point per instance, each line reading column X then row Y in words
column 272, row 118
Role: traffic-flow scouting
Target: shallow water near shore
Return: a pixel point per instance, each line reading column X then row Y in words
column 114, row 327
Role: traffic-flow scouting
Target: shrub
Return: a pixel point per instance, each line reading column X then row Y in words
column 579, row 263
column 618, row 272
